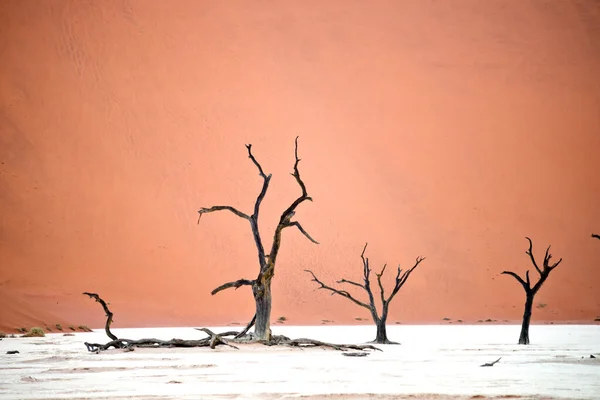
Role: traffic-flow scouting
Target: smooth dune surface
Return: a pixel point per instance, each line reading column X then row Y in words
column 446, row 129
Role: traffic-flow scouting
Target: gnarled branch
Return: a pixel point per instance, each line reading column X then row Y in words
column 215, row 339
column 367, row 282
column 490, row 364
column 301, row 229
column 351, row 283
column 381, row 290
column 340, row 347
column 518, row 278
column 205, row 210
column 547, row 258
column 529, row 252
column 401, row 278
column 109, row 314
column 286, row 221
column 247, row 328
column 304, row 196
column 254, row 219
column 234, row 284
column 342, row 293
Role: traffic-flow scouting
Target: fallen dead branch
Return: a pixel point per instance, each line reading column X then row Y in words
column 109, row 314
column 490, row 364
column 355, row 354
column 213, row 340
column 340, row 347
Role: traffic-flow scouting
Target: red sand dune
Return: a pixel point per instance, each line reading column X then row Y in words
column 449, row 129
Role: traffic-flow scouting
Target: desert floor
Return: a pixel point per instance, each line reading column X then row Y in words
column 436, row 362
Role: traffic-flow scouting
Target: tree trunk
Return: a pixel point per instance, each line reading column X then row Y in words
column 524, row 337
column 262, row 297
column 381, row 337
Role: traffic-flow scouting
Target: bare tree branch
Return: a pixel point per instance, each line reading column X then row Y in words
column 381, row 290
column 286, row 220
column 260, row 170
column 490, row 364
column 247, row 328
column 254, row 219
column 288, row 213
column 401, row 279
column 205, row 210
column 342, row 293
column 529, row 252
column 595, row 236
column 367, row 282
column 235, row 284
column 351, row 283
column 518, row 278
column 215, row 339
column 362, row 254
column 547, row 259
column 301, row 229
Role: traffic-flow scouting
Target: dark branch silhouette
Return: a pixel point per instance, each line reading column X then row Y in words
column 490, row 364
column 220, row 208
column 261, row 286
column 380, row 320
column 236, row 284
column 595, row 236
column 109, row 314
column 247, row 328
column 530, row 291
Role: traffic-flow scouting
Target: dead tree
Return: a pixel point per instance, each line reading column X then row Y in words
column 380, row 320
column 261, row 286
column 530, row 291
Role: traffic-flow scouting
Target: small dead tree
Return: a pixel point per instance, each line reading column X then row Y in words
column 261, row 286
column 530, row 291
column 380, row 320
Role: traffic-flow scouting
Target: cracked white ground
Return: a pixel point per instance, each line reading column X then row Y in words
column 433, row 361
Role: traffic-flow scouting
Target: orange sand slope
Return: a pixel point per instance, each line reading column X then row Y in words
column 448, row 129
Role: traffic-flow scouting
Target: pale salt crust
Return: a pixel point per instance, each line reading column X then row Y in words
column 436, row 362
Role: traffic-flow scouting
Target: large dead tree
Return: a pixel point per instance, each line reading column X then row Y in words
column 380, row 320
column 530, row 291
column 261, row 286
